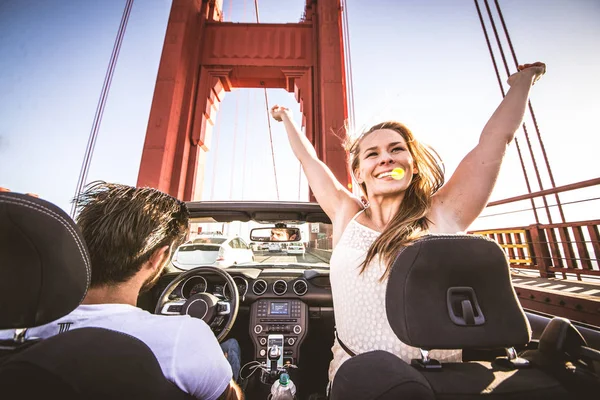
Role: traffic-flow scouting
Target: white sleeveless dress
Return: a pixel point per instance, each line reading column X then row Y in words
column 359, row 302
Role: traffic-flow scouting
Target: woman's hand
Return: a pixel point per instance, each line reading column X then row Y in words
column 278, row 111
column 530, row 72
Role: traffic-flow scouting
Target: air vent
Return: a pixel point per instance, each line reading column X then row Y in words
column 300, row 287
column 259, row 287
column 279, row 287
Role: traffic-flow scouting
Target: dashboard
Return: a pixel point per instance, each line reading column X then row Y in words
column 311, row 285
column 199, row 284
column 279, row 301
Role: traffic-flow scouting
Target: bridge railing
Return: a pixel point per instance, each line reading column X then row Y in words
column 322, row 244
column 569, row 249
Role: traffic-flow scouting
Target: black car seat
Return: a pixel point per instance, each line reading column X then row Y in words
column 455, row 292
column 44, row 274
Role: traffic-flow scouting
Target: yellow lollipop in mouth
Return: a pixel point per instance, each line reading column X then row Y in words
column 397, row 173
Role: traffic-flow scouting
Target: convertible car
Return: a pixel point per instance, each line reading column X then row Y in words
column 280, row 309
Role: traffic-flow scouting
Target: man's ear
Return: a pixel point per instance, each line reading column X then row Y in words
column 157, row 259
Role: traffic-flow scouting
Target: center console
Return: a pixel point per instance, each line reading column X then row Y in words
column 277, row 316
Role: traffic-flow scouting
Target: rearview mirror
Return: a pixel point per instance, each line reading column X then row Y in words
column 275, row 234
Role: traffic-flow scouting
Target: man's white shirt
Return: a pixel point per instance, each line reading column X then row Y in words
column 186, row 348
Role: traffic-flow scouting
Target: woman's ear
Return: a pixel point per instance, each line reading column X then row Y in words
column 357, row 177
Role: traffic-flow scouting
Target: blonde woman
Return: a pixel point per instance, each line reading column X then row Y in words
column 404, row 186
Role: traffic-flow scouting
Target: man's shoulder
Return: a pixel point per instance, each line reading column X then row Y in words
column 132, row 320
column 139, row 319
column 172, row 320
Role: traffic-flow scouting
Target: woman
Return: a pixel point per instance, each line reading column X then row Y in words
column 402, row 182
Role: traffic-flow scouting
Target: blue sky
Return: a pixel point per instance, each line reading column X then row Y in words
column 423, row 63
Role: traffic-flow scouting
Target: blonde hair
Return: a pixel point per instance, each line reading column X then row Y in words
column 411, row 221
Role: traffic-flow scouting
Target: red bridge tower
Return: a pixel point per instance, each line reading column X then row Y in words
column 204, row 57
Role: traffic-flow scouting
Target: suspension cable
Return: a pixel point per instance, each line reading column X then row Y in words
column 348, row 57
column 214, row 171
column 268, row 117
column 300, row 175
column 528, row 141
column 230, row 11
column 534, row 119
column 495, row 64
column 245, row 144
column 235, row 135
column 85, row 167
column 299, row 181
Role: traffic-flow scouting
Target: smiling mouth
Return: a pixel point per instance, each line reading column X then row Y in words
column 396, row 174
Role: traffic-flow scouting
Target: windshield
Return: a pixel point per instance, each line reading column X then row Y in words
column 228, row 245
column 190, row 256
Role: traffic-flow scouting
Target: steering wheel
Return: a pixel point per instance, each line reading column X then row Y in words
column 219, row 314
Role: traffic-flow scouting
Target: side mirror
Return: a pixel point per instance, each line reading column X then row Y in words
column 275, row 234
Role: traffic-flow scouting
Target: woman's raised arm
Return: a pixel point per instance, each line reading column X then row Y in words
column 331, row 195
column 461, row 200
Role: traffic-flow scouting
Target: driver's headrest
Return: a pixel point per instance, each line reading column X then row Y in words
column 453, row 292
column 45, row 268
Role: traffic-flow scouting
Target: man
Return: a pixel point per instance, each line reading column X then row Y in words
column 131, row 234
column 282, row 234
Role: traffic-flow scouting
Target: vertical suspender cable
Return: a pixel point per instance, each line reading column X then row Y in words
column 83, row 173
column 348, row 57
column 537, row 172
column 487, row 40
column 229, row 17
column 349, row 79
column 244, row 169
column 245, row 145
column 214, row 172
column 299, row 179
column 299, row 182
column 235, row 134
column 268, row 117
column 535, row 124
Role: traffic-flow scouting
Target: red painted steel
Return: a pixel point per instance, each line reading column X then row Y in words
column 203, row 58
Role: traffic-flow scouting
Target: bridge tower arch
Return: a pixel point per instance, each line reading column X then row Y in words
column 204, row 57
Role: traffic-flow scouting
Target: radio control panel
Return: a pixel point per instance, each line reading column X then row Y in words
column 287, row 317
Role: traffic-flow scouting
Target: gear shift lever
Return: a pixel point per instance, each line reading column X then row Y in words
column 274, row 354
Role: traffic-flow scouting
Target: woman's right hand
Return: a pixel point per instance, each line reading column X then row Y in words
column 530, row 72
column 278, row 111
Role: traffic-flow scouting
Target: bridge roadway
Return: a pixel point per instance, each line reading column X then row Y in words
column 283, row 257
column 568, row 298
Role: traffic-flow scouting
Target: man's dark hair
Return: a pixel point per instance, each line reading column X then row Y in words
column 123, row 226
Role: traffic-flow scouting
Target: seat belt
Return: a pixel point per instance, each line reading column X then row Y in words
column 346, row 349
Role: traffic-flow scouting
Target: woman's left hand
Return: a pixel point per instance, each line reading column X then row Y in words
column 532, row 72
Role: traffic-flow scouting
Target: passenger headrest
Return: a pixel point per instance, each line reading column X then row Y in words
column 45, row 268
column 454, row 292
